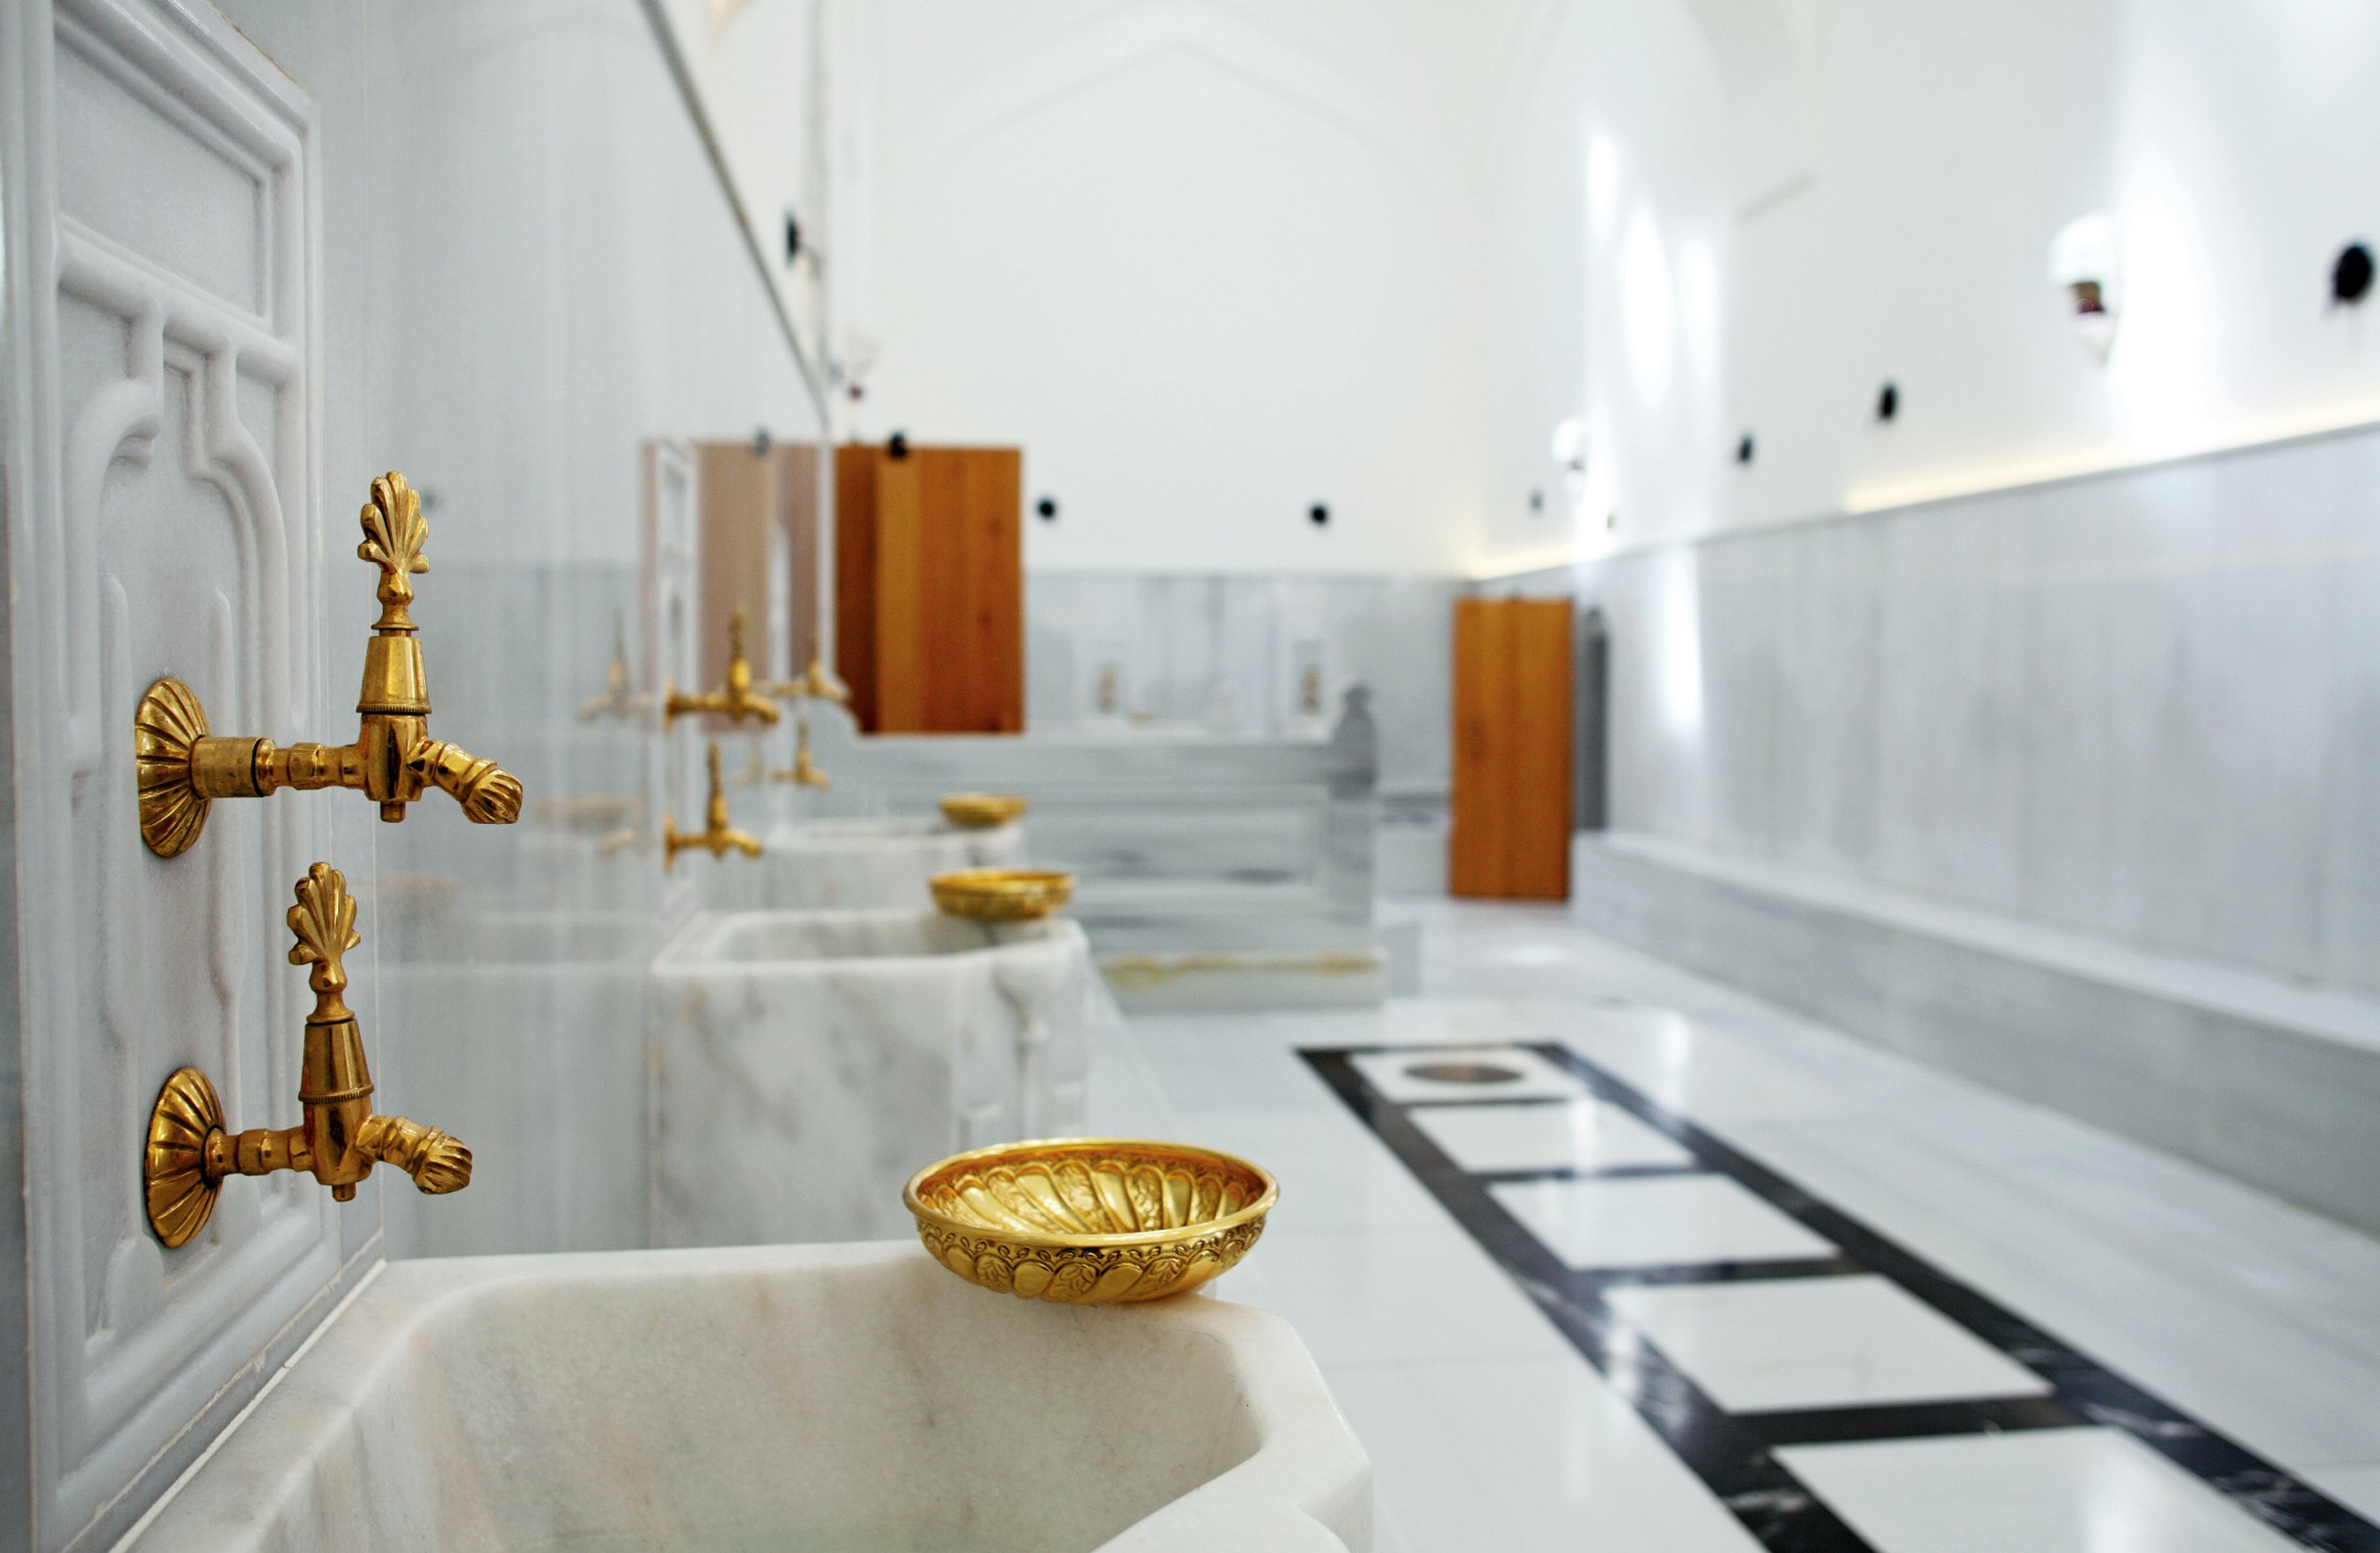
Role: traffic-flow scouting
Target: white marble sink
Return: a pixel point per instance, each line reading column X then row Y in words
column 859, row 863
column 805, row 1063
column 821, row 1398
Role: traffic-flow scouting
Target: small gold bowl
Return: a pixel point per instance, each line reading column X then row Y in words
column 983, row 810
column 1002, row 894
column 1090, row 1221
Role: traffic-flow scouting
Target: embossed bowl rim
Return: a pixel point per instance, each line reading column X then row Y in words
column 1033, row 1150
column 1003, row 881
column 981, row 800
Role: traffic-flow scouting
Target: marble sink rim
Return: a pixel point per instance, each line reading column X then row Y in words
column 1306, row 1488
column 684, row 950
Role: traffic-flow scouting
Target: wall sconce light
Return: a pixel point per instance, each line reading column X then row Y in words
column 2086, row 266
column 1048, row 508
column 1319, row 515
column 2351, row 276
column 1888, row 402
column 1744, row 449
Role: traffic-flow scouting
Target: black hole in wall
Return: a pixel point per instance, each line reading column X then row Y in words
column 897, row 445
column 793, row 237
column 2350, row 277
column 1537, row 501
column 1744, row 449
column 1888, row 401
column 1048, row 508
column 1319, row 515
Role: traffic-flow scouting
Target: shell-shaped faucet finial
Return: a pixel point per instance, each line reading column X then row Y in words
column 324, row 923
column 395, row 532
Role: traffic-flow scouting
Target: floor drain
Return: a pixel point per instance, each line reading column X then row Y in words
column 1464, row 1073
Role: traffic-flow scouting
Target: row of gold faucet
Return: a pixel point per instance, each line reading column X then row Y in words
column 184, row 767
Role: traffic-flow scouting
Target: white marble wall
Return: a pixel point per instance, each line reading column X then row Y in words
column 1232, row 653
column 2143, row 706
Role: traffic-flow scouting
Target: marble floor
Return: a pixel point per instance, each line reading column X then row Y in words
column 1596, row 1254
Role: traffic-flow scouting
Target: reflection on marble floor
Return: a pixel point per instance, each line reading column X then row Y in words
column 1489, row 1429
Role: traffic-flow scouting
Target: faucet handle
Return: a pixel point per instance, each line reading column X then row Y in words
column 324, row 923
column 395, row 532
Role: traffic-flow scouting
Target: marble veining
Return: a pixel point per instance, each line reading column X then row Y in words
column 845, row 1397
column 2138, row 705
column 805, row 1064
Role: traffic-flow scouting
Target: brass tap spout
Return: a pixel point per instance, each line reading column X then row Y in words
column 736, row 700
column 192, row 1153
column 814, row 683
column 716, row 836
column 803, row 772
column 617, row 700
column 184, row 767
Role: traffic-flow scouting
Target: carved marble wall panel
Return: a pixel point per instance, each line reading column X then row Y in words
column 166, row 518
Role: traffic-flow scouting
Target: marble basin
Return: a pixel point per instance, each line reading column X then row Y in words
column 804, row 1064
column 827, row 1399
column 860, row 864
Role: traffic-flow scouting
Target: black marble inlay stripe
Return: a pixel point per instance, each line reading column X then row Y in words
column 1596, row 1172
column 1590, row 1281
column 1974, row 1416
column 1733, row 1453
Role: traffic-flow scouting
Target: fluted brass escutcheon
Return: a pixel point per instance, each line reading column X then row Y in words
column 181, row 1196
column 165, row 731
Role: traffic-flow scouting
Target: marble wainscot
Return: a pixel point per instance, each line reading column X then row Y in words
column 1211, row 871
column 805, row 1064
column 832, row 1398
column 531, row 1027
column 2065, row 787
column 859, row 863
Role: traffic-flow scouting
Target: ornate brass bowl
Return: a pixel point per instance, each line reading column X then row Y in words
column 1090, row 1221
column 982, row 810
column 1002, row 894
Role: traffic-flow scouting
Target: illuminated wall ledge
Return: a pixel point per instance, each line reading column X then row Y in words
column 2265, row 1081
column 1917, row 494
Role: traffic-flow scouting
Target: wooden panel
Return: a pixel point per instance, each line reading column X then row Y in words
column 797, row 515
column 929, row 576
column 901, row 594
column 1510, row 838
column 854, row 578
column 974, row 625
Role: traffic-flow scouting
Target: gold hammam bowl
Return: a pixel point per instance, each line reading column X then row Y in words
column 983, row 810
column 1002, row 894
column 1090, row 1221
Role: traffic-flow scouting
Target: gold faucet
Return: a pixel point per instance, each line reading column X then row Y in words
column 341, row 1138
column 716, row 836
column 802, row 773
column 814, row 683
column 734, row 701
column 617, row 700
column 184, row 768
